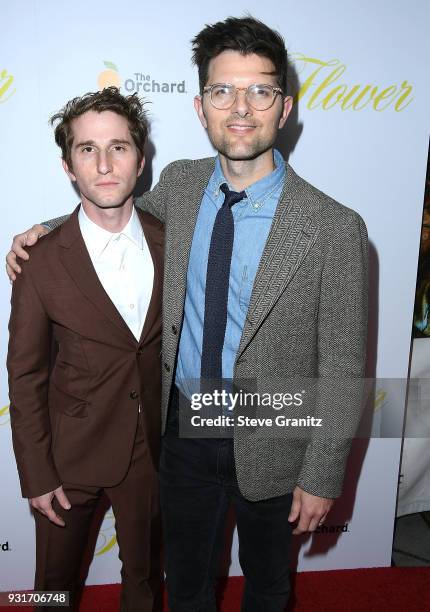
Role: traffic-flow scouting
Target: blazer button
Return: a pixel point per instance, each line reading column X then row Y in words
column 134, row 394
column 174, row 329
column 167, row 367
column 140, row 352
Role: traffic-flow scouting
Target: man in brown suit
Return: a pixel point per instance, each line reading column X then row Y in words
column 84, row 357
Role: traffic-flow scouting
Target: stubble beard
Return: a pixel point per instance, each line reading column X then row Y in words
column 240, row 151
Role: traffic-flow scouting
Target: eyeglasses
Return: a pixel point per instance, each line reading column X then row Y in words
column 260, row 97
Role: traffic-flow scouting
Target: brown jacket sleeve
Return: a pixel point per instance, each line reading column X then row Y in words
column 28, row 367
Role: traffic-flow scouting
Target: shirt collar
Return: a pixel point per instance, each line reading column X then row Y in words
column 97, row 238
column 259, row 191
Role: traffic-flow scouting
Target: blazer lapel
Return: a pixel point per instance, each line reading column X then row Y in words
column 292, row 234
column 75, row 258
column 152, row 228
column 180, row 231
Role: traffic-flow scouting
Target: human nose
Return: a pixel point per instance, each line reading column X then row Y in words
column 240, row 104
column 104, row 164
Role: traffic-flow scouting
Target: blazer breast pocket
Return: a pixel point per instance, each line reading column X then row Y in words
column 63, row 301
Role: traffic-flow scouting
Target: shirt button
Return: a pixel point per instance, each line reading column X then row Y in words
column 131, row 306
column 174, row 329
column 167, row 367
column 134, row 394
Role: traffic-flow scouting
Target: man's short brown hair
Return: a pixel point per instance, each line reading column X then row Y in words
column 109, row 99
column 246, row 35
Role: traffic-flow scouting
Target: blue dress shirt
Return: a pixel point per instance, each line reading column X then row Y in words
column 253, row 218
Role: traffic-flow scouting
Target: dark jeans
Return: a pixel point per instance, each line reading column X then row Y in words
column 198, row 482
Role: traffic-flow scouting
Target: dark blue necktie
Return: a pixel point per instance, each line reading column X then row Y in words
column 217, row 285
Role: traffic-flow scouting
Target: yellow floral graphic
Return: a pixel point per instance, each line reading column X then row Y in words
column 4, row 415
column 6, row 81
column 107, row 535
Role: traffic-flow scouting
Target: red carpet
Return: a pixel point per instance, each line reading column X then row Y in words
column 367, row 590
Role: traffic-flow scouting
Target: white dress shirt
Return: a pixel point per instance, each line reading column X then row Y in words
column 124, row 266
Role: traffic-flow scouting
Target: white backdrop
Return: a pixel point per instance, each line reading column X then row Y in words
column 363, row 118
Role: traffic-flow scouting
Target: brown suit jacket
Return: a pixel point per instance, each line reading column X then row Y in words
column 76, row 372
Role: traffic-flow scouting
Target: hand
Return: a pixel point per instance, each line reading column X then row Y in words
column 43, row 504
column 309, row 509
column 28, row 238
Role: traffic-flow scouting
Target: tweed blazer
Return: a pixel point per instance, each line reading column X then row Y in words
column 306, row 319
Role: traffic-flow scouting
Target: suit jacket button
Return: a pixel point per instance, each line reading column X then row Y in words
column 134, row 394
column 167, row 367
column 174, row 329
column 140, row 352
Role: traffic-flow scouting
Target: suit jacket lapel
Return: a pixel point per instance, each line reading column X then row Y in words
column 292, row 234
column 76, row 260
column 180, row 231
column 154, row 238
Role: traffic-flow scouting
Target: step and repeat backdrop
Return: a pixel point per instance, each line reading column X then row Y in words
column 359, row 132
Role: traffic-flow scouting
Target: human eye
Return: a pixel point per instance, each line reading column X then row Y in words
column 262, row 91
column 119, row 147
column 221, row 91
column 87, row 149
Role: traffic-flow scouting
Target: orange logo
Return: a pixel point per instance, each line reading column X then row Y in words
column 109, row 77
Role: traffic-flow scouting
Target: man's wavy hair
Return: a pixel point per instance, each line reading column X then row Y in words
column 109, row 99
column 246, row 35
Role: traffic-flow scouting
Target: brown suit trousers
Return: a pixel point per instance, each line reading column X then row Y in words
column 135, row 504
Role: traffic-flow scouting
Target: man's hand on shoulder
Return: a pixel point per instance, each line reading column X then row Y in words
column 309, row 510
column 17, row 249
column 43, row 504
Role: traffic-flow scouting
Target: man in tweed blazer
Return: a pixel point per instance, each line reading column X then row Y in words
column 297, row 309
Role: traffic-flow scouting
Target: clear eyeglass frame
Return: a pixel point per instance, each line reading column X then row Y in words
column 251, row 90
